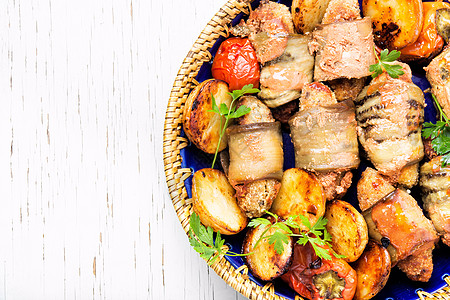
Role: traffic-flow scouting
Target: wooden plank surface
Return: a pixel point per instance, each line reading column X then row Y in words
column 84, row 211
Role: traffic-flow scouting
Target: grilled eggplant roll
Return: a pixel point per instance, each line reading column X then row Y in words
column 390, row 116
column 255, row 165
column 324, row 136
column 435, row 183
column 282, row 79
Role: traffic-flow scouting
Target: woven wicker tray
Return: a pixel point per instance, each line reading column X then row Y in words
column 173, row 142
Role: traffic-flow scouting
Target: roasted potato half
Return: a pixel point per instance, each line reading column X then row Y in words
column 372, row 271
column 264, row 262
column 214, row 201
column 306, row 14
column 348, row 229
column 202, row 126
column 396, row 23
column 300, row 194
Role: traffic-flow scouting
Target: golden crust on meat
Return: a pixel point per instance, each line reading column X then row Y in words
column 371, row 188
column 341, row 10
column 419, row 266
column 259, row 111
column 256, row 197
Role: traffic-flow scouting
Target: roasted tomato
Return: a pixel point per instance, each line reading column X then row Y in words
column 236, row 64
column 320, row 279
column 429, row 42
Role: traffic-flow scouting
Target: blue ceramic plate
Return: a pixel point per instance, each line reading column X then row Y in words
column 398, row 286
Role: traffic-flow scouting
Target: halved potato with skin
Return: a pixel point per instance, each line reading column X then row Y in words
column 300, row 194
column 348, row 229
column 306, row 14
column 396, row 23
column 214, row 201
column 202, row 126
column 264, row 262
column 372, row 271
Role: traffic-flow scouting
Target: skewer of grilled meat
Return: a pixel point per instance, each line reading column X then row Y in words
column 390, row 113
column 324, row 136
column 396, row 221
column 256, row 158
column 435, row 183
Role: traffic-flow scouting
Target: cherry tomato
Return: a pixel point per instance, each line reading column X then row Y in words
column 320, row 279
column 236, row 64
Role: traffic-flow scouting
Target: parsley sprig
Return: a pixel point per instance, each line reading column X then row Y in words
column 231, row 112
column 202, row 238
column 439, row 134
column 317, row 234
column 385, row 56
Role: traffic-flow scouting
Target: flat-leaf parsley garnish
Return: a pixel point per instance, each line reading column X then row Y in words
column 382, row 65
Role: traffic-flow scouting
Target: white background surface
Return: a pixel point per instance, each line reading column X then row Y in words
column 84, row 207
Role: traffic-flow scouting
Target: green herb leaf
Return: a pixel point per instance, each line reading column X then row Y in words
column 278, row 238
column 202, row 240
column 241, row 111
column 439, row 133
column 258, row 222
column 385, row 57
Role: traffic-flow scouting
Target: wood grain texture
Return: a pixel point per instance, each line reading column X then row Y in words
column 84, row 211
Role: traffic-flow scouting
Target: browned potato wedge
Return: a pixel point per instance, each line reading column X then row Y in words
column 300, row 194
column 306, row 14
column 214, row 201
column 201, row 126
column 348, row 229
column 264, row 262
column 372, row 271
column 396, row 23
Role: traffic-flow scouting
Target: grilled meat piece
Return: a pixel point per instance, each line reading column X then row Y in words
column 345, row 88
column 418, row 266
column 435, row 183
column 341, row 10
column 284, row 112
column 256, row 197
column 316, row 94
column 343, row 50
column 371, row 188
column 259, row 112
column 335, row 184
column 438, row 74
column 267, row 28
column 409, row 176
column 282, row 79
column 390, row 113
column 400, row 220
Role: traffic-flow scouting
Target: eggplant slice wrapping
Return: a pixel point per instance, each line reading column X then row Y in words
column 283, row 78
column 435, row 183
column 324, row 137
column 256, row 152
column 390, row 125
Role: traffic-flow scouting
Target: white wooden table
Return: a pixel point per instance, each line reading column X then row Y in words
column 84, row 207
